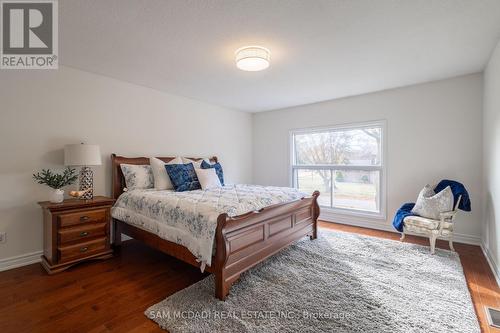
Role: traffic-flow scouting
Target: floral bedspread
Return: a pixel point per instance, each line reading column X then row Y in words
column 190, row 218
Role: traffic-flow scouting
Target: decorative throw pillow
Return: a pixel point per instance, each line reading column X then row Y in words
column 218, row 170
column 196, row 164
column 430, row 204
column 161, row 178
column 208, row 178
column 183, row 177
column 137, row 176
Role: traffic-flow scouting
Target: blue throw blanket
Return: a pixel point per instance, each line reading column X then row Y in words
column 458, row 190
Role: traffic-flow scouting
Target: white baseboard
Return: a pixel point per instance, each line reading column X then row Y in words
column 493, row 265
column 18, row 261
column 382, row 225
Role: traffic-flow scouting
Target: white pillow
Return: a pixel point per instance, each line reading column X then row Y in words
column 430, row 204
column 196, row 164
column 208, row 178
column 137, row 176
column 161, row 178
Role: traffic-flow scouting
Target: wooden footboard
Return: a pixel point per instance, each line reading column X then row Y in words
column 244, row 241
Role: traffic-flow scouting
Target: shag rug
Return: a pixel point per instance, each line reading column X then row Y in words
column 340, row 282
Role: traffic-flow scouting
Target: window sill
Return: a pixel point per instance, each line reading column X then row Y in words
column 346, row 214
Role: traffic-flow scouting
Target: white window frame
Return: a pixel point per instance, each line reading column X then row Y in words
column 382, row 168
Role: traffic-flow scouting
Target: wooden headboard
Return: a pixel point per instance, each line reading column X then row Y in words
column 117, row 175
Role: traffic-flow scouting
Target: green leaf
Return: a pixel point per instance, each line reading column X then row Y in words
column 56, row 180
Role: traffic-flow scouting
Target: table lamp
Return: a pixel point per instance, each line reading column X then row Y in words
column 85, row 156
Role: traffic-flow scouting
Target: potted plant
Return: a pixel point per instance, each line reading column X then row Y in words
column 56, row 181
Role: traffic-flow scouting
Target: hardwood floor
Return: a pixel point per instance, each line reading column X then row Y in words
column 111, row 295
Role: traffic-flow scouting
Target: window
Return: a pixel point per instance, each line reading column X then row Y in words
column 345, row 163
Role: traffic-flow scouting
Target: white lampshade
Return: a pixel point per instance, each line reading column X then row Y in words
column 82, row 154
column 252, row 58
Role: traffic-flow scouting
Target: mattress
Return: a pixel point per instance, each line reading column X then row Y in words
column 190, row 218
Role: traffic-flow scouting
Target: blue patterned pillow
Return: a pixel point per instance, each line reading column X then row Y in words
column 218, row 170
column 183, row 177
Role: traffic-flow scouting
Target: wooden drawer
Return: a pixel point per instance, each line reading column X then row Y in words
column 81, row 250
column 86, row 216
column 81, row 232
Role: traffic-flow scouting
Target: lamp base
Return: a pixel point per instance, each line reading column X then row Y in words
column 86, row 181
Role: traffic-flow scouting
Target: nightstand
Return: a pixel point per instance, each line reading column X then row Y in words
column 74, row 231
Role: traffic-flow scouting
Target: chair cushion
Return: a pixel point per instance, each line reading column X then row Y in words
column 424, row 223
column 421, row 222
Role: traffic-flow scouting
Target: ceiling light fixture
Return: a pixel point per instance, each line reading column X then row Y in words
column 252, row 58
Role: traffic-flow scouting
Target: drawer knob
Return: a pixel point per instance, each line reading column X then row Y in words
column 84, row 233
column 83, row 249
column 84, row 218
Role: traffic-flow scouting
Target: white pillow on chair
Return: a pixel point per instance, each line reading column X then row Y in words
column 431, row 205
column 208, row 178
column 161, row 178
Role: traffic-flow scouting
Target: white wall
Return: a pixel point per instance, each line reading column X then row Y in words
column 433, row 132
column 41, row 111
column 491, row 139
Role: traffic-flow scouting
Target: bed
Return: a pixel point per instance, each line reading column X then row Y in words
column 242, row 239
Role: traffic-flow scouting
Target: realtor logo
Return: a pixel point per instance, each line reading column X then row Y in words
column 29, row 34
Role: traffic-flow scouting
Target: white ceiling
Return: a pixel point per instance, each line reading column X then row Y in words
column 320, row 50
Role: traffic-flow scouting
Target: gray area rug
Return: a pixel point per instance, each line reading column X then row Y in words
column 340, row 282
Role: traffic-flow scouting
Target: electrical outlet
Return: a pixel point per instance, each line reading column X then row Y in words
column 3, row 237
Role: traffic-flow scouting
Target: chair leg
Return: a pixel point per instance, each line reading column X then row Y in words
column 432, row 240
column 402, row 236
column 451, row 243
